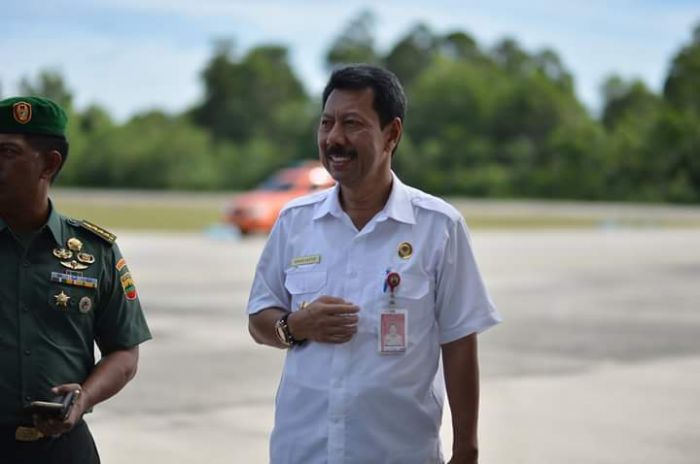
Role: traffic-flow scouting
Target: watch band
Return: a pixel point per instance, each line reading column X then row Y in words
column 284, row 334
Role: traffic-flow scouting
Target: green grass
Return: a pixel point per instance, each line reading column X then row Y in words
column 143, row 216
column 141, row 211
column 180, row 211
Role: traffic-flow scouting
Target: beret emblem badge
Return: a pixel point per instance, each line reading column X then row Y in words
column 22, row 112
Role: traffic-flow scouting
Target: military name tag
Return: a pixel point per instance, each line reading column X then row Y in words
column 304, row 260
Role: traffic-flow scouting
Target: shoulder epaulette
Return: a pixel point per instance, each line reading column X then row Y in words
column 99, row 231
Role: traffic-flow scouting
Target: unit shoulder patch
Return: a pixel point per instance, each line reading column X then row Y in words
column 104, row 234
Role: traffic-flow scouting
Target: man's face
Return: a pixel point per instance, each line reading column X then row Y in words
column 21, row 170
column 351, row 144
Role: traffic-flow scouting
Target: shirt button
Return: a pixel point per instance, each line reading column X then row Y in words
column 26, row 264
column 25, row 308
column 28, row 398
column 28, row 352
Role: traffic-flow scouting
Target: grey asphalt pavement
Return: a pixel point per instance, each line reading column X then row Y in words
column 597, row 362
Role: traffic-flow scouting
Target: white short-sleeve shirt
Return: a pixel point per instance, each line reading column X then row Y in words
column 347, row 403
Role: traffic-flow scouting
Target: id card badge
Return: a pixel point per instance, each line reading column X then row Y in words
column 393, row 331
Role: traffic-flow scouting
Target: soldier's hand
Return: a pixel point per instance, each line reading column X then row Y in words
column 51, row 426
column 327, row 320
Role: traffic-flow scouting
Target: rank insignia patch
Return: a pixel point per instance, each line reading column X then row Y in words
column 99, row 231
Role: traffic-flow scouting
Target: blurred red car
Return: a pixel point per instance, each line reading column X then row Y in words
column 257, row 210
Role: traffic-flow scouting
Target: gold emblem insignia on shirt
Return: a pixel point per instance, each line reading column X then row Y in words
column 85, row 258
column 85, row 304
column 405, row 250
column 62, row 300
column 74, row 265
column 304, row 260
column 74, row 244
column 62, row 253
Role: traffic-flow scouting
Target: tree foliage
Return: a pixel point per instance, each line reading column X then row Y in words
column 355, row 44
column 499, row 122
column 243, row 98
column 681, row 89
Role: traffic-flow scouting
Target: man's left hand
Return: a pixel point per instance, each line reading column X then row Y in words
column 469, row 456
column 50, row 426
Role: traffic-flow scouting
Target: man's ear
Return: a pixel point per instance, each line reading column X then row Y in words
column 52, row 164
column 394, row 131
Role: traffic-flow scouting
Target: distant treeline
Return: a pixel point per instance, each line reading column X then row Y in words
column 497, row 122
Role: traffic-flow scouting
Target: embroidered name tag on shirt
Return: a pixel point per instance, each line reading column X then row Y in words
column 304, row 260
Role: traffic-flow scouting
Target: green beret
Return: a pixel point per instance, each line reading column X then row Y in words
column 32, row 115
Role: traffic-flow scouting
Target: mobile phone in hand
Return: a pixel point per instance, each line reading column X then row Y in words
column 59, row 407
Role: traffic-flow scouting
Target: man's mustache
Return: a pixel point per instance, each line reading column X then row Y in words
column 339, row 150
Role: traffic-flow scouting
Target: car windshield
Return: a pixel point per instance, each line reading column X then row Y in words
column 275, row 184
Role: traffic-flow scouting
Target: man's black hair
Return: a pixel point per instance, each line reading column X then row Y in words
column 389, row 97
column 47, row 143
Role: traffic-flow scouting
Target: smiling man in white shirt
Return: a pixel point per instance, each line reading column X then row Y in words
column 344, row 268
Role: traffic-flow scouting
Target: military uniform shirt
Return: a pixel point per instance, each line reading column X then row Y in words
column 46, row 339
column 347, row 403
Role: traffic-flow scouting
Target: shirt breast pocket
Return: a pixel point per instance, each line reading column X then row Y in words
column 68, row 315
column 414, row 295
column 304, row 286
column 413, row 288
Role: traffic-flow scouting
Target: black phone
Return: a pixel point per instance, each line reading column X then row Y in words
column 59, row 407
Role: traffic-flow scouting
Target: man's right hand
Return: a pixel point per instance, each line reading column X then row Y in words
column 327, row 320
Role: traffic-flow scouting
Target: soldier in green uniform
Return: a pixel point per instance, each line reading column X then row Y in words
column 64, row 286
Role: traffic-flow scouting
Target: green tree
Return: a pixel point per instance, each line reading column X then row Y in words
column 412, row 54
column 460, row 46
column 83, row 127
column 151, row 151
column 624, row 100
column 512, row 58
column 672, row 156
column 548, row 63
column 450, row 123
column 355, row 44
column 49, row 84
column 681, row 88
column 243, row 98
